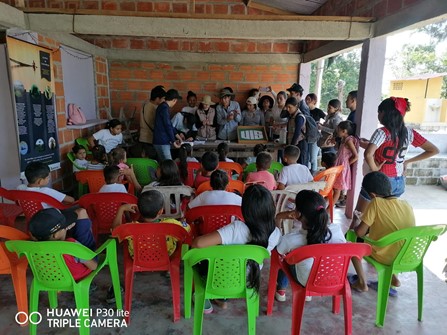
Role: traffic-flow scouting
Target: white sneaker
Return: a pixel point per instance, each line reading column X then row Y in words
column 308, row 298
column 280, row 295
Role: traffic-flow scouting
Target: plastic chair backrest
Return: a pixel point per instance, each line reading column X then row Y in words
column 149, row 243
column 227, row 267
column 211, row 218
column 172, row 209
column 331, row 263
column 6, row 257
column 193, row 169
column 233, row 185
column 284, row 200
column 82, row 141
column 102, row 208
column 144, row 169
column 72, row 158
column 8, row 211
column 230, row 168
column 275, row 167
column 94, row 179
column 416, row 241
column 31, row 202
column 313, row 185
column 329, row 176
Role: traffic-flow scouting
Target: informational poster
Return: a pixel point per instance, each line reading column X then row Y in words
column 251, row 134
column 35, row 103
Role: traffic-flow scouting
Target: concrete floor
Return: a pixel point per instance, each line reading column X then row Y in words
column 152, row 304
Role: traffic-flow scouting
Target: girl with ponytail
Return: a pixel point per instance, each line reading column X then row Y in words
column 311, row 211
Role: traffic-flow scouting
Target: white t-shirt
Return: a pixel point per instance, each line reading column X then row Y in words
column 295, row 174
column 229, row 160
column 108, row 188
column 191, row 159
column 298, row 239
column 217, row 197
column 81, row 163
column 238, row 233
column 109, row 141
column 59, row 196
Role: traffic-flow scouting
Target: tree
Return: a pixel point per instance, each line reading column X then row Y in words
column 345, row 67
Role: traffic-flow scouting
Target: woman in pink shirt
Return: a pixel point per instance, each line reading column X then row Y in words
column 262, row 176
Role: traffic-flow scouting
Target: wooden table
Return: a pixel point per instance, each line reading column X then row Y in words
column 236, row 149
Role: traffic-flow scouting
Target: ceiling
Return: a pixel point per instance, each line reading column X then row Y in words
column 304, row 7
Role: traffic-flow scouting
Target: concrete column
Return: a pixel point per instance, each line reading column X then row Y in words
column 304, row 72
column 368, row 98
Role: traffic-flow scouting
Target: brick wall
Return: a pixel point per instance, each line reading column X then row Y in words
column 426, row 172
column 62, row 178
column 130, row 82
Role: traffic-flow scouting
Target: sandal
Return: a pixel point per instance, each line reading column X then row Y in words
column 374, row 285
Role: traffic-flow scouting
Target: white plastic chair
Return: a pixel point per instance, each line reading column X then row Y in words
column 173, row 199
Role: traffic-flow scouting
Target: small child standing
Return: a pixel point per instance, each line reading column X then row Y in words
column 80, row 163
column 262, row 176
column 293, row 173
column 112, row 176
column 52, row 225
column 223, row 149
column 311, row 211
column 99, row 158
column 209, row 163
column 347, row 155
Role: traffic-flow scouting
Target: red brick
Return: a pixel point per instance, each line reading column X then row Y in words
column 222, row 46
column 236, row 76
column 202, row 76
column 261, row 68
column 137, row 44
column 280, row 47
column 154, row 44
column 246, row 68
column 179, row 8
column 144, row 6
column 172, row 75
column 162, row 7
column 186, row 46
column 264, row 47
column 109, row 5
column 204, row 46
column 237, row 9
column 361, row 4
column 215, row 67
column 294, row 47
column 36, row 3
column 120, row 43
column 210, row 86
column 252, row 77
column 199, row 9
column 164, row 66
column 127, row 6
column 140, row 74
column 172, row 45
column 379, row 10
column 238, row 47
column 186, row 75
column 90, row 5
column 408, row 3
column 251, row 46
column 220, row 9
column 156, row 75
column 267, row 78
column 217, row 75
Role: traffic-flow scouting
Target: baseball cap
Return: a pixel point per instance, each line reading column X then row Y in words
column 49, row 221
column 173, row 94
column 225, row 92
column 296, row 88
column 252, row 100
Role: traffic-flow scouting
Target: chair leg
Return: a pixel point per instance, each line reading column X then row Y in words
column 52, row 297
column 420, row 274
column 336, row 304
column 33, row 306
column 384, row 283
column 331, row 207
column 252, row 310
column 274, row 268
column 187, row 287
column 81, row 293
column 128, row 282
column 347, row 307
column 18, row 274
column 199, row 303
column 114, row 274
column 175, row 286
column 299, row 298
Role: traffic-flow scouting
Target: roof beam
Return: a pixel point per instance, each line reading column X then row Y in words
column 260, row 28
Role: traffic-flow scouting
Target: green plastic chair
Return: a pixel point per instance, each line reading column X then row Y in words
column 227, row 271
column 416, row 241
column 72, row 159
column 275, row 167
column 144, row 169
column 52, row 274
column 82, row 141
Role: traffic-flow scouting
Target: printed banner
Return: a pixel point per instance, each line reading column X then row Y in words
column 35, row 103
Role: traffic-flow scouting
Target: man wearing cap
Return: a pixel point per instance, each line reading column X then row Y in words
column 147, row 120
column 228, row 116
column 164, row 132
column 296, row 91
column 52, row 225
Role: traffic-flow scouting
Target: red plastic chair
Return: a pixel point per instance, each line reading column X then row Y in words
column 31, row 202
column 233, row 185
column 206, row 219
column 231, row 168
column 329, row 176
column 327, row 277
column 151, row 254
column 193, row 169
column 16, row 267
column 8, row 212
column 102, row 208
column 95, row 180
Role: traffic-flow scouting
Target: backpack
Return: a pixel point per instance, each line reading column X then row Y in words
column 312, row 134
column 75, row 115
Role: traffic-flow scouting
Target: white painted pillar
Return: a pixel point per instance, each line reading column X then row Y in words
column 368, row 98
column 304, row 77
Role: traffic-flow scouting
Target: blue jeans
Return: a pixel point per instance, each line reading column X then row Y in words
column 313, row 154
column 82, row 232
column 282, row 282
column 163, row 151
column 397, row 185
